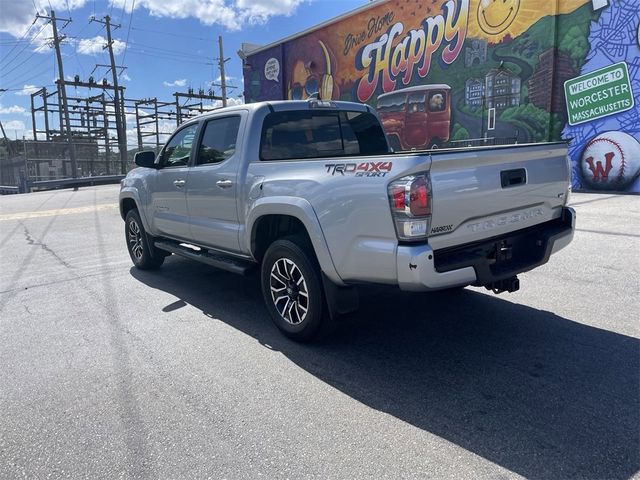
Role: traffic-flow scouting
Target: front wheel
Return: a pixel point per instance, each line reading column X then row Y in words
column 144, row 255
column 292, row 289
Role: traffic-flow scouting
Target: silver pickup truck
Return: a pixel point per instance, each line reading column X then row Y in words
column 310, row 193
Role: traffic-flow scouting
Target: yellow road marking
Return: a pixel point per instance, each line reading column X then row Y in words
column 59, row 211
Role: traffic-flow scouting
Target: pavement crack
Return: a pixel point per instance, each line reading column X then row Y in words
column 33, row 241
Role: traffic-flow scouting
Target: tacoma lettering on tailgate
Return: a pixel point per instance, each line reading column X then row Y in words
column 509, row 219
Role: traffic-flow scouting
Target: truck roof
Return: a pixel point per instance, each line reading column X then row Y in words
column 283, row 105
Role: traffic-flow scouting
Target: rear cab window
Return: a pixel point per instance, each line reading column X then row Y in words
column 317, row 134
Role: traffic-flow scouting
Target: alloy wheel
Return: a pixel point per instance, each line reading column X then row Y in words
column 289, row 291
column 135, row 240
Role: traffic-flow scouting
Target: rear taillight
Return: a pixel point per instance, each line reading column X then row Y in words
column 410, row 199
column 419, row 197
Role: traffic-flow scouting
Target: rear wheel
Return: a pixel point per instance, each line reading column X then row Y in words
column 292, row 289
column 144, row 255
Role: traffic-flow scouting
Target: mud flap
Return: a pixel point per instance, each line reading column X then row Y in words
column 340, row 300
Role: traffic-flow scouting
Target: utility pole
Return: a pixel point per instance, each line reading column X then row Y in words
column 9, row 145
column 122, row 140
column 223, row 79
column 63, row 91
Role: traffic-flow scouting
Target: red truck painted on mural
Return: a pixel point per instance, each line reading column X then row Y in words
column 416, row 117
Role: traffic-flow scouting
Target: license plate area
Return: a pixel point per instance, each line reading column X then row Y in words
column 503, row 256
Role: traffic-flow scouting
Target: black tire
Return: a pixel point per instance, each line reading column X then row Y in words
column 298, row 308
column 144, row 255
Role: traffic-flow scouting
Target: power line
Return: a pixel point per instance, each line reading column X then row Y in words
column 21, row 38
column 5, row 73
column 141, row 47
column 170, row 34
column 166, row 51
column 162, row 56
column 26, row 46
column 124, row 6
column 126, row 43
column 75, row 50
column 2, row 90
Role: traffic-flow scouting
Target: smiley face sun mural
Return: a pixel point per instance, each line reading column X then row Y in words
column 495, row 16
column 495, row 19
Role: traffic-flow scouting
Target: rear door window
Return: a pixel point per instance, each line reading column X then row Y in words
column 303, row 134
column 218, row 140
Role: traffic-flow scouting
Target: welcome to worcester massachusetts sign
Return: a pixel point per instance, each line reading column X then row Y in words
column 603, row 92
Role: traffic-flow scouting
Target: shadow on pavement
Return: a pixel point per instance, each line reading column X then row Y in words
column 538, row 394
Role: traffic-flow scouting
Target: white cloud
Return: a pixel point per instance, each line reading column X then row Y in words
column 182, row 82
column 231, row 101
column 227, row 77
column 232, row 14
column 11, row 109
column 95, row 45
column 17, row 129
column 17, row 15
column 125, row 77
column 259, row 11
column 165, row 129
column 28, row 90
column 14, row 125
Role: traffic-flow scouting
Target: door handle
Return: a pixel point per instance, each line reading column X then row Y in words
column 224, row 183
column 179, row 183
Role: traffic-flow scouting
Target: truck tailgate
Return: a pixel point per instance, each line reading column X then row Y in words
column 482, row 193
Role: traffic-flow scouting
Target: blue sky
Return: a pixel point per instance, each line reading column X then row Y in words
column 171, row 44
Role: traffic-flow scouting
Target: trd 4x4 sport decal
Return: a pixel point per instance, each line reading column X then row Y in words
column 366, row 169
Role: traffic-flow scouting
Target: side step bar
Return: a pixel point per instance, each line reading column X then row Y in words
column 218, row 260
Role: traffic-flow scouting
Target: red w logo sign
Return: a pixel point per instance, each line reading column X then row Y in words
column 601, row 174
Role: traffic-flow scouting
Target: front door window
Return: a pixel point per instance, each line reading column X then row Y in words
column 178, row 150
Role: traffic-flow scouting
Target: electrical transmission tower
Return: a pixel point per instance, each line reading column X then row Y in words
column 63, row 92
column 120, row 122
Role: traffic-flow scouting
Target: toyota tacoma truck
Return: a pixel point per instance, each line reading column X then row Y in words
column 310, row 193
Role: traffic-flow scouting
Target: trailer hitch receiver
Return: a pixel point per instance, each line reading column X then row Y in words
column 507, row 285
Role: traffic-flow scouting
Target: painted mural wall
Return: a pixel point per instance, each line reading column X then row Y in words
column 450, row 73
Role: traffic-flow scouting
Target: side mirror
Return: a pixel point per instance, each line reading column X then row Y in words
column 145, row 159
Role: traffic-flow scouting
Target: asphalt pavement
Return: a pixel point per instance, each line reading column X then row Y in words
column 110, row 372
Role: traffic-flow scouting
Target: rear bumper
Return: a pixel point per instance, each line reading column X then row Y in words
column 481, row 263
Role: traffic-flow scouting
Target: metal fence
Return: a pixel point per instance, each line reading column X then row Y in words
column 27, row 165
